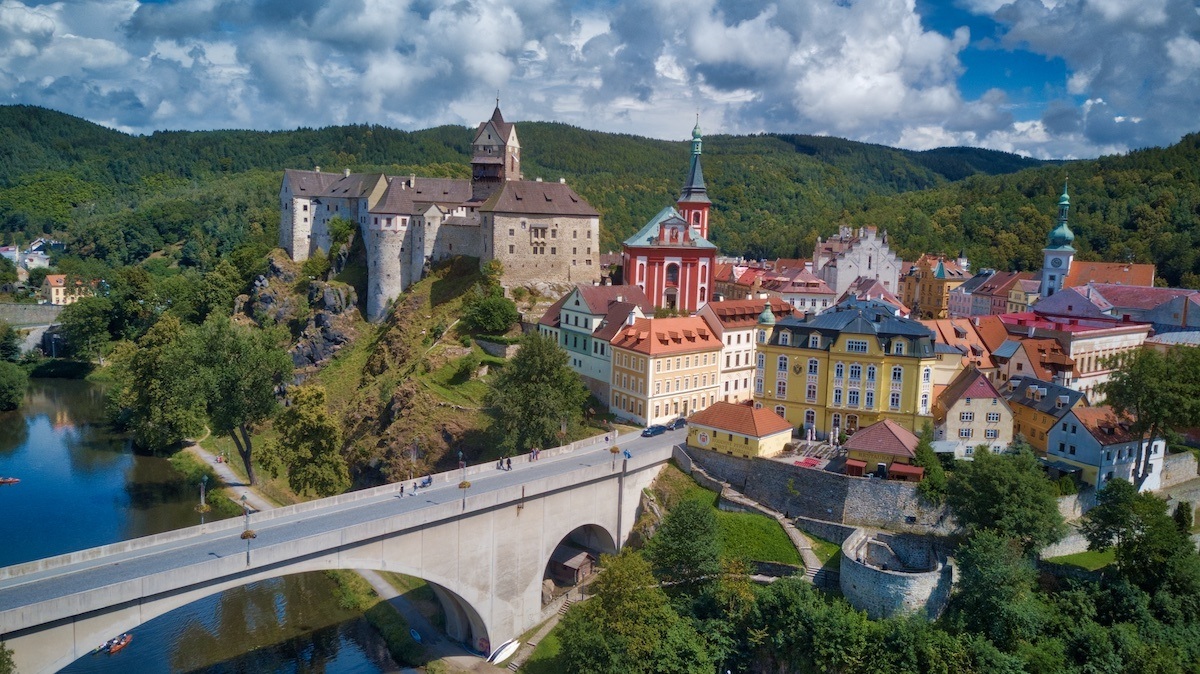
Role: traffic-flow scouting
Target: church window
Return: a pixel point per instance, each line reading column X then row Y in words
column 673, row 273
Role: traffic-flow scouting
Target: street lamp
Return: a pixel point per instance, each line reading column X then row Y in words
column 247, row 534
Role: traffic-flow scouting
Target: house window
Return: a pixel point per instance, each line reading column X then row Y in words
column 810, row 394
column 869, row 398
column 966, row 416
column 894, row 402
column 855, row 372
column 898, row 348
column 758, row 385
column 761, row 360
column 814, row 341
column 993, row 417
column 856, row 345
column 837, row 396
column 926, row 375
column 839, row 371
column 813, row 365
column 924, row 403
column 897, row 373
column 964, row 433
column 810, row 418
column 781, row 388
column 837, row 420
column 782, row 364
column 781, row 410
column 991, row 434
column 784, row 338
column 852, row 397
column 870, row 373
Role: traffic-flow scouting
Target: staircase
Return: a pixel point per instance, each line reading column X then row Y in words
column 562, row 610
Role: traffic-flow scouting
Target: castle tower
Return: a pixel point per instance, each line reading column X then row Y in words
column 1058, row 253
column 495, row 156
column 390, row 236
column 693, row 201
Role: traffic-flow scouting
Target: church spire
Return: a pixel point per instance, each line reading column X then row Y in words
column 1062, row 237
column 693, row 201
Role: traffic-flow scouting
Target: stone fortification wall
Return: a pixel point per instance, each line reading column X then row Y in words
column 1178, row 468
column 823, row 529
column 450, row 240
column 18, row 315
column 571, row 256
column 882, row 593
column 498, row 350
column 817, row 494
column 1074, row 542
column 1073, row 506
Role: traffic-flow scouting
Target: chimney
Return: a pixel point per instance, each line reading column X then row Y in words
column 539, row 179
column 346, row 173
column 562, row 181
column 318, row 169
column 977, row 321
column 629, row 319
column 620, row 298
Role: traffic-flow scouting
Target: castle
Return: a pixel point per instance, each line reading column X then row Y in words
column 541, row 232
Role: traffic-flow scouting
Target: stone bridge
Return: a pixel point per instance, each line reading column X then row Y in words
column 484, row 549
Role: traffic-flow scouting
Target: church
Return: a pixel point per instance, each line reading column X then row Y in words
column 671, row 258
column 541, row 232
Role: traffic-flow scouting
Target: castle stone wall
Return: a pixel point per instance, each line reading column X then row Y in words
column 1178, row 468
column 386, row 268
column 883, row 593
column 566, row 259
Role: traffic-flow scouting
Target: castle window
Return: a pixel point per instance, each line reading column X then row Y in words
column 553, row 250
column 512, row 232
column 511, row 249
column 574, row 234
column 306, row 207
column 574, row 250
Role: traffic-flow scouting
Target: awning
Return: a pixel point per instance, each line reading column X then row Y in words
column 855, row 463
column 905, row 469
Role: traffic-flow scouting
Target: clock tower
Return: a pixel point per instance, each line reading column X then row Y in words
column 1058, row 253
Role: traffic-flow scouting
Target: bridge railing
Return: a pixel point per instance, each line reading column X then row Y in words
column 451, row 476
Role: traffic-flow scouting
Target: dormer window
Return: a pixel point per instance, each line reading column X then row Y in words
column 898, row 348
column 814, row 341
column 784, row 338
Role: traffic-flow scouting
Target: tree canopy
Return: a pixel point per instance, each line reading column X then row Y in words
column 536, row 396
column 1009, row 495
column 13, row 382
column 309, row 445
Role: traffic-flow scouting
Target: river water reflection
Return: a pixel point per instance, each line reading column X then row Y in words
column 83, row 486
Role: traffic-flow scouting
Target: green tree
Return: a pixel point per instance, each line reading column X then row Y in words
column 85, row 325
column 1138, row 526
column 10, row 343
column 218, row 289
column 8, row 270
column 13, row 382
column 7, row 666
column 243, row 369
column 1183, row 516
column 491, row 315
column 1008, row 494
column 309, row 445
column 316, row 266
column 536, row 395
column 629, row 626
column 996, row 596
column 160, row 392
column 686, row 547
column 1158, row 391
column 933, row 485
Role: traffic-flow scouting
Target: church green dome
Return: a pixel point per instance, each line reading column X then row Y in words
column 696, row 131
column 1062, row 236
column 766, row 317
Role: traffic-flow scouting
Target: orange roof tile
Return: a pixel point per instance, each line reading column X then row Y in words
column 740, row 419
column 885, row 437
column 1083, row 273
column 683, row 334
column 1104, row 424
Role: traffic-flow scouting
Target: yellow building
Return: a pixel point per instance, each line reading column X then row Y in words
column 664, row 368
column 926, row 284
column 1037, row 406
column 56, row 290
column 883, row 449
column 847, row 368
column 739, row 430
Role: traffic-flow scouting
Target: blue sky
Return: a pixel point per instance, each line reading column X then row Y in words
column 1045, row 78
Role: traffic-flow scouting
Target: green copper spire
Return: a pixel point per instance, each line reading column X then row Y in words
column 1062, row 237
column 694, row 189
column 767, row 317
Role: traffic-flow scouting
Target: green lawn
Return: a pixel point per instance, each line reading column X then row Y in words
column 1089, row 560
column 546, row 657
column 823, row 549
column 748, row 535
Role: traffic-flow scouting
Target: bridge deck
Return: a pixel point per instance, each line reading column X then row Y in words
column 62, row 577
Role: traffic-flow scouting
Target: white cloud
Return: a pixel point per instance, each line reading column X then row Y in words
column 867, row 70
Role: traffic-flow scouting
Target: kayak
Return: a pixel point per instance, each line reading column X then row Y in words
column 121, row 642
column 9, row 480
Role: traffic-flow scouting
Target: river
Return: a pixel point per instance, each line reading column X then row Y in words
column 83, row 486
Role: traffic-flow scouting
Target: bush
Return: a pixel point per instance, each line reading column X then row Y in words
column 13, row 382
column 491, row 314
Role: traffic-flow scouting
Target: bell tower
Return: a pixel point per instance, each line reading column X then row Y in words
column 693, row 201
column 495, row 156
column 1058, row 253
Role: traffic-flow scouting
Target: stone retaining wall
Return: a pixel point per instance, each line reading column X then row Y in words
column 20, row 315
column 497, row 349
column 1074, row 542
column 883, row 593
column 1178, row 468
column 823, row 529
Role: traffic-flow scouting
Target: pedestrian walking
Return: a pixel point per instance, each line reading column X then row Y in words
column 401, row 490
column 510, row 463
column 414, row 489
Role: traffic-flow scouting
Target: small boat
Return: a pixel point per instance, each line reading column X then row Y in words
column 505, row 651
column 416, row 636
column 9, row 480
column 121, row 642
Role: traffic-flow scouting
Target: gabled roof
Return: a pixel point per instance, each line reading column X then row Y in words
column 862, row 317
column 1008, row 349
column 497, row 120
column 1083, row 273
column 723, row 272
column 1080, row 302
column 1047, row 357
column 1000, row 283
column 740, row 419
column 352, row 186
column 734, row 314
column 648, row 234
column 596, row 299
column 1138, row 297
column 537, row 198
column 961, row 333
column 797, row 281
column 553, row 315
column 441, row 190
column 1017, row 392
column 864, row 288
column 396, row 200
column 662, row 336
column 309, row 183
column 1104, row 425
column 885, row 437
column 614, row 320
column 974, row 282
column 991, row 330
column 970, row 383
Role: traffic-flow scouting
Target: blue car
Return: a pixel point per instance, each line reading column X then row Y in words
column 656, row 429
column 677, row 423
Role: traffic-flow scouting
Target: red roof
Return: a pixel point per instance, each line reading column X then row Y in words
column 885, row 437
column 1104, row 425
column 904, row 469
column 1139, row 297
column 740, row 419
column 660, row 336
column 745, row 313
column 1083, row 273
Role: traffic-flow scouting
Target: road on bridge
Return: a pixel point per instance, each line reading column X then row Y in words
column 61, row 581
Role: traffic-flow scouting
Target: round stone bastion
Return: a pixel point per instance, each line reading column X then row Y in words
column 894, row 574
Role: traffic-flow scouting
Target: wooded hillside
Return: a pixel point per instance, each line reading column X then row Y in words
column 199, row 195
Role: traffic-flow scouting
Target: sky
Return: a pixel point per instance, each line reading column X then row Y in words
column 1044, row 78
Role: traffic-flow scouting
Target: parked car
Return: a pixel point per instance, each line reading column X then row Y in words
column 656, row 429
column 677, row 423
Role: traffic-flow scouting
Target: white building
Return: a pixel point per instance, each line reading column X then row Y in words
column 734, row 323
column 851, row 255
column 1098, row 442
